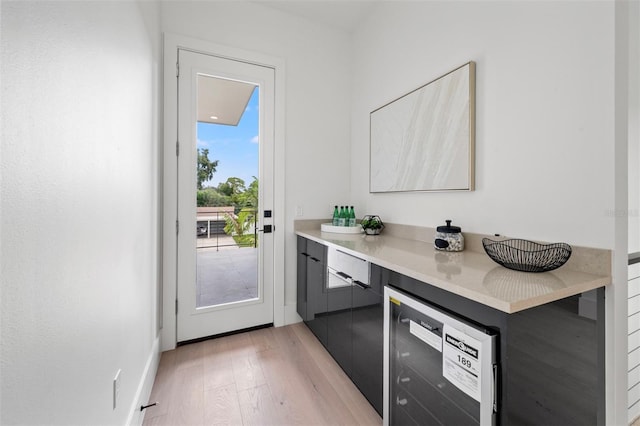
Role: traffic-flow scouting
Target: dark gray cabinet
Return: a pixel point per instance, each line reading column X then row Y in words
column 339, row 326
column 346, row 320
column 312, row 295
column 367, row 315
column 551, row 358
column 301, row 271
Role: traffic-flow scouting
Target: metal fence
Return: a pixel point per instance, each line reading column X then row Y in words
column 210, row 232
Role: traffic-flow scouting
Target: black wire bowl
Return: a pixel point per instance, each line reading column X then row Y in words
column 527, row 256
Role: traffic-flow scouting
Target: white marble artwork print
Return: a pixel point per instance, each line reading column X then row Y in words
column 421, row 142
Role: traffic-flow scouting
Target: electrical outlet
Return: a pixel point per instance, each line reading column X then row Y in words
column 299, row 211
column 116, row 388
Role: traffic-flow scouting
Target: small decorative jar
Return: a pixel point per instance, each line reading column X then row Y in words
column 449, row 238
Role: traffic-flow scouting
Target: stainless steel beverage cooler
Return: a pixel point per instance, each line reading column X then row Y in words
column 439, row 369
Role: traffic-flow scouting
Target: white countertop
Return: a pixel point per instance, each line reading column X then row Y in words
column 470, row 274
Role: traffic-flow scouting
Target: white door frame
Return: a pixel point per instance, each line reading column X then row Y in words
column 171, row 45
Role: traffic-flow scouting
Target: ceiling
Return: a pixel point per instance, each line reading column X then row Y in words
column 345, row 15
column 222, row 101
column 227, row 99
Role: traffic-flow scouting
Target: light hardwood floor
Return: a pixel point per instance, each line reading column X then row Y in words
column 273, row 376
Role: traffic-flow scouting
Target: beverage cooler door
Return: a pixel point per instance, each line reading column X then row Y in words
column 438, row 369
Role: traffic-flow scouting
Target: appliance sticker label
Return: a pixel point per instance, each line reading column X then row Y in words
column 461, row 361
column 425, row 335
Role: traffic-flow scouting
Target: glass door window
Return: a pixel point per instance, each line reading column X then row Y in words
column 227, row 198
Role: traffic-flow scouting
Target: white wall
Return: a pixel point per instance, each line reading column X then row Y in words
column 634, row 127
column 317, row 135
column 79, row 210
column 544, row 146
column 633, row 217
column 549, row 142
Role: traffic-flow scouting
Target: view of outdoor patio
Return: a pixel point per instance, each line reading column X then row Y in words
column 227, row 265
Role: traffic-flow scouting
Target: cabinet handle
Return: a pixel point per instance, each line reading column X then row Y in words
column 343, row 275
column 361, row 285
column 314, row 259
column 495, row 388
column 400, row 355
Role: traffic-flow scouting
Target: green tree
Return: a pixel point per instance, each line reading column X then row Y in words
column 249, row 198
column 233, row 188
column 210, row 197
column 241, row 224
column 241, row 227
column 206, row 167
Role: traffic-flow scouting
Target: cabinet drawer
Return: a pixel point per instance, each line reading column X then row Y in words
column 317, row 251
column 354, row 267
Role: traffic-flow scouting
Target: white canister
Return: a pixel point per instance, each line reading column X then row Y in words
column 449, row 238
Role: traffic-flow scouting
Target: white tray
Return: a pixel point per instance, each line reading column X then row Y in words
column 328, row 227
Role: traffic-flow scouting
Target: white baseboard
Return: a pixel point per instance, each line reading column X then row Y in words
column 146, row 384
column 291, row 315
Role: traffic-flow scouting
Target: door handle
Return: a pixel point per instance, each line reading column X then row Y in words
column 267, row 229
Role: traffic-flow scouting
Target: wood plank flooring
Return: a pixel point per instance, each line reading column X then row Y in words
column 273, row 376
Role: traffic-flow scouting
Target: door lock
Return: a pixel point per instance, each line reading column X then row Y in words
column 267, row 229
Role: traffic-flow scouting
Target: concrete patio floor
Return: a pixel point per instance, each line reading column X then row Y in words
column 225, row 273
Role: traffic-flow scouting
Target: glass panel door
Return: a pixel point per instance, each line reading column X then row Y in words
column 227, row 197
column 225, row 173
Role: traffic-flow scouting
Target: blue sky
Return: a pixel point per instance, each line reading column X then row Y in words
column 235, row 147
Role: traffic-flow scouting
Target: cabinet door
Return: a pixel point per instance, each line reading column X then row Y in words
column 367, row 338
column 317, row 301
column 301, row 302
column 339, row 325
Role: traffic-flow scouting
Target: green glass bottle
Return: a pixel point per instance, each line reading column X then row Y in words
column 336, row 216
column 352, row 217
column 342, row 220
